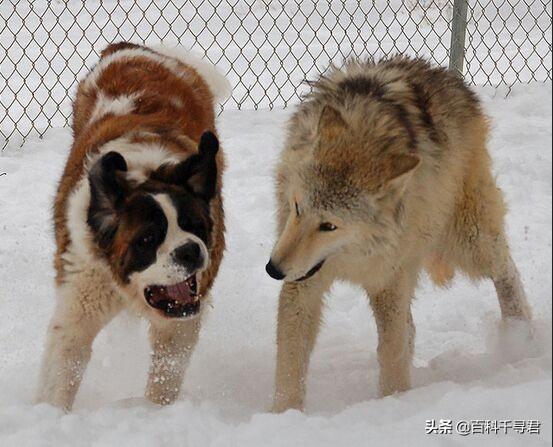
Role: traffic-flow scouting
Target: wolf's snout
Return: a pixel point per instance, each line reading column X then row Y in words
column 273, row 271
column 189, row 255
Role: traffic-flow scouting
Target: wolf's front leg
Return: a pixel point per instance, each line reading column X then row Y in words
column 83, row 309
column 172, row 344
column 396, row 337
column 299, row 314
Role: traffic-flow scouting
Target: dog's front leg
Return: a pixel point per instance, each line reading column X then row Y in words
column 172, row 345
column 396, row 334
column 299, row 314
column 84, row 307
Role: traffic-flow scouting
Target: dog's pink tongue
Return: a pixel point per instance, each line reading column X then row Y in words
column 180, row 292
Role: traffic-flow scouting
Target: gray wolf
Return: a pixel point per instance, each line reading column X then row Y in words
column 138, row 213
column 385, row 172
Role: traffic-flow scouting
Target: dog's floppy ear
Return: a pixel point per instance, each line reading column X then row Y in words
column 198, row 172
column 108, row 188
column 331, row 124
column 396, row 171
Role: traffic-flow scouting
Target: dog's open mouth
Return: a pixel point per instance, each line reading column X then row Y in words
column 311, row 272
column 177, row 300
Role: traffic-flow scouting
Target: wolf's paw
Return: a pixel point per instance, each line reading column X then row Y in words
column 517, row 339
column 161, row 397
column 281, row 405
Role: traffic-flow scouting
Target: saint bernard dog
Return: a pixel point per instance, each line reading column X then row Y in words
column 138, row 213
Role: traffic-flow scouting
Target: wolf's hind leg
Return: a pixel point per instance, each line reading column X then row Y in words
column 396, row 337
column 172, row 345
column 480, row 245
column 83, row 309
column 299, row 314
column 488, row 256
column 510, row 292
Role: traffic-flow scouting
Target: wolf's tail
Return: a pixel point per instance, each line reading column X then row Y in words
column 217, row 82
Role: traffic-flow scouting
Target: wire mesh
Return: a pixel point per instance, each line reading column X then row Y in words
column 267, row 48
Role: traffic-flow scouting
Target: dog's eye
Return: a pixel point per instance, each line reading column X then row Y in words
column 297, row 208
column 327, row 226
column 146, row 240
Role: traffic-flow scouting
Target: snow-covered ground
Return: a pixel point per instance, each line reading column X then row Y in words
column 460, row 371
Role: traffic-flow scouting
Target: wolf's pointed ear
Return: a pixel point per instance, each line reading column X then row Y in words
column 331, row 124
column 108, row 188
column 397, row 171
column 199, row 171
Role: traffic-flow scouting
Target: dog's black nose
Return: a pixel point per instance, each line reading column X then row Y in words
column 273, row 271
column 188, row 255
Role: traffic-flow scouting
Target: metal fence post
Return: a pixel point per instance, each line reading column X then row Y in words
column 458, row 34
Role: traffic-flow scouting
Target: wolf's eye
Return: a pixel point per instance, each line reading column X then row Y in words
column 327, row 226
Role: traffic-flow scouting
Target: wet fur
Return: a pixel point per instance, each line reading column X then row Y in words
column 395, row 153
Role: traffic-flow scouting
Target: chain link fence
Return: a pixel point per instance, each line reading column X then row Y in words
column 267, row 48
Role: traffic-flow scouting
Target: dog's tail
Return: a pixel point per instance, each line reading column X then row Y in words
column 218, row 84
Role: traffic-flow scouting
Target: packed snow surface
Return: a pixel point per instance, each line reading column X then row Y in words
column 465, row 367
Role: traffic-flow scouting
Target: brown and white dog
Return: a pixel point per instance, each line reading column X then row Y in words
column 138, row 213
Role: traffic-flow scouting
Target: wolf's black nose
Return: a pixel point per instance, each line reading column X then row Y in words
column 273, row 271
column 188, row 255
